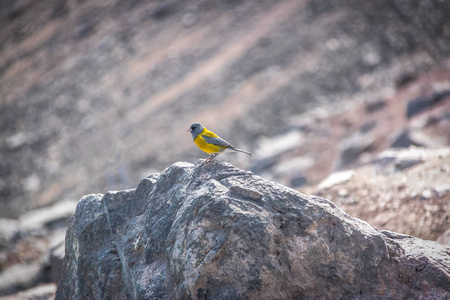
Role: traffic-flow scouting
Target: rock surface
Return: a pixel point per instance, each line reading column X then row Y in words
column 348, row 137
column 40, row 292
column 402, row 190
column 30, row 249
column 217, row 232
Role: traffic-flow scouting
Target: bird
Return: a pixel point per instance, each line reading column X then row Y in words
column 210, row 142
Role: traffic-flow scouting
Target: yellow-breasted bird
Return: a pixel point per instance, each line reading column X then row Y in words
column 210, row 142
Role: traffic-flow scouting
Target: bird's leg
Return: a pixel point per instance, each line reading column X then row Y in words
column 210, row 158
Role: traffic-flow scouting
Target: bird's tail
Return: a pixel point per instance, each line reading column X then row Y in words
column 240, row 150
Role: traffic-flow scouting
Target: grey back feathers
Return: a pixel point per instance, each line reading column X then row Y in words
column 217, row 141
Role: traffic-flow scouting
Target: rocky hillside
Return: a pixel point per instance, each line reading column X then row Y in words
column 348, row 100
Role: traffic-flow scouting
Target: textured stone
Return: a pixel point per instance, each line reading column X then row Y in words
column 19, row 276
column 53, row 216
column 40, row 292
column 216, row 232
column 353, row 147
column 8, row 228
column 336, row 178
column 420, row 104
column 444, row 239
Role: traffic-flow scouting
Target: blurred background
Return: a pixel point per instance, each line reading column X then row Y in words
column 96, row 95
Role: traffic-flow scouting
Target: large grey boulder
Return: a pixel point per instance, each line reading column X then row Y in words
column 216, row 232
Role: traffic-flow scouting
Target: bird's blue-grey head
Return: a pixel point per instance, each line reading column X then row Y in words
column 195, row 129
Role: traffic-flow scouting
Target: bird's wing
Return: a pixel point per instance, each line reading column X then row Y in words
column 212, row 138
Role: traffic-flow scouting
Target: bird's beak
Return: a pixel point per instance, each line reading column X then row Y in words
column 189, row 129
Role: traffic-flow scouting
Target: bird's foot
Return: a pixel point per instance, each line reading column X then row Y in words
column 209, row 158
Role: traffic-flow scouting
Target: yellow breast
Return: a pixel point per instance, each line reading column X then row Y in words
column 208, row 148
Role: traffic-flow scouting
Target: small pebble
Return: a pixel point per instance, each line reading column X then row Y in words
column 427, row 194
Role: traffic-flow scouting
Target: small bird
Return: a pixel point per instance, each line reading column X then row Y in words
column 210, row 142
